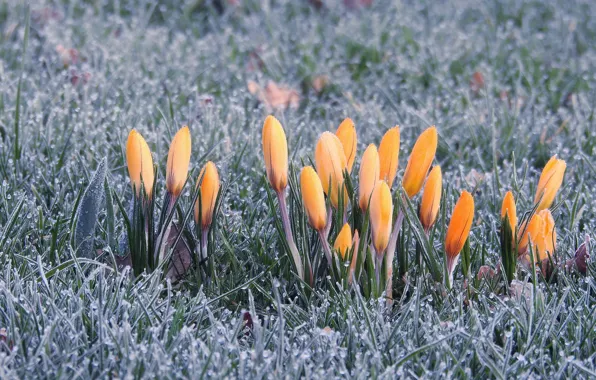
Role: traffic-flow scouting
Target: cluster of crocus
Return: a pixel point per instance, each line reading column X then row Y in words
column 535, row 240
column 366, row 223
column 153, row 244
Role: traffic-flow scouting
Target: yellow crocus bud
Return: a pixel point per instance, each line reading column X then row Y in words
column 209, row 185
column 140, row 163
column 550, row 233
column 431, row 198
column 549, row 183
column 381, row 212
column 459, row 225
column 275, row 152
column 509, row 209
column 346, row 132
column 313, row 198
column 420, row 160
column 368, row 176
column 389, row 155
column 343, row 241
column 331, row 163
column 533, row 231
column 178, row 161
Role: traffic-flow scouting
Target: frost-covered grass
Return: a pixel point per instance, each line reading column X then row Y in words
column 156, row 67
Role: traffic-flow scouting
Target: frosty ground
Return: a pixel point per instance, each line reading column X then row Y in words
column 507, row 83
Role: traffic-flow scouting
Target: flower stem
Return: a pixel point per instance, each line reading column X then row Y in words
column 285, row 220
column 391, row 253
column 326, row 247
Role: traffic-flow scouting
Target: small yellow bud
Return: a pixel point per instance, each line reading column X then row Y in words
column 343, row 241
column 368, row 176
column 431, row 198
column 381, row 212
column 549, row 183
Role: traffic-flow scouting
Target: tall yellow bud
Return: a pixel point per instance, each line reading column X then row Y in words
column 346, row 132
column 209, row 185
column 275, row 152
column 420, row 160
column 368, row 176
column 313, row 198
column 178, row 161
column 140, row 163
column 389, row 155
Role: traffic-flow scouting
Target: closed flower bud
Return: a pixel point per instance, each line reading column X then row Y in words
column 459, row 225
column 381, row 212
column 178, row 161
column 389, row 155
column 431, row 198
column 140, row 163
column 550, row 233
column 533, row 232
column 368, row 176
column 508, row 209
column 346, row 132
column 343, row 241
column 549, row 183
column 420, row 160
column 275, row 152
column 331, row 163
column 313, row 198
column 209, row 185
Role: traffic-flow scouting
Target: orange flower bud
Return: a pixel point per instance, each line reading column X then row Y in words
column 343, row 241
column 275, row 152
column 313, row 198
column 389, row 155
column 178, row 161
column 549, row 183
column 140, row 163
column 368, row 176
column 550, row 233
column 459, row 225
column 431, row 198
column 209, row 190
column 533, row 231
column 331, row 163
column 508, row 208
column 381, row 212
column 346, row 132
column 420, row 160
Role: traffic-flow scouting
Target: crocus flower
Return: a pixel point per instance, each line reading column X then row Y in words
column 343, row 241
column 331, row 163
column 178, row 161
column 459, row 229
column 431, row 198
column 532, row 232
column 381, row 212
column 209, row 185
column 275, row 152
column 140, row 163
column 389, row 155
column 420, row 160
column 346, row 132
column 549, row 183
column 508, row 209
column 313, row 198
column 368, row 176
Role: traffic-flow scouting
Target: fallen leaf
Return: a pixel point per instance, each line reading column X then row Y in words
column 274, row 96
column 319, row 83
column 477, row 82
